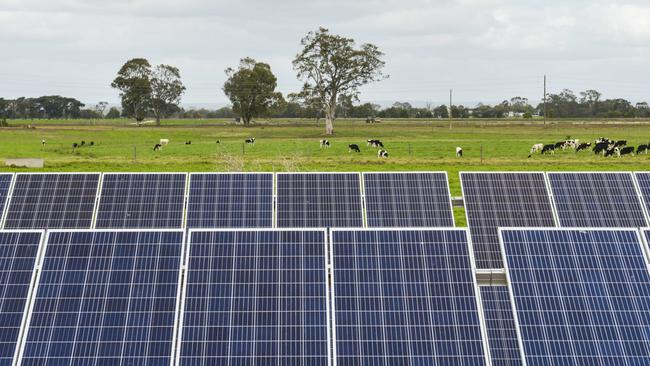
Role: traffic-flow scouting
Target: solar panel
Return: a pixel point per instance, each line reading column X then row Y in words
column 581, row 296
column 5, row 185
column 419, row 199
column 596, row 199
column 319, row 200
column 503, row 199
column 405, row 297
column 143, row 201
column 106, row 298
column 255, row 296
column 18, row 252
column 237, row 200
column 644, row 187
column 52, row 201
column 501, row 327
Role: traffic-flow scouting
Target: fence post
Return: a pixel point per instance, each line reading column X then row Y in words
column 481, row 153
column 135, row 153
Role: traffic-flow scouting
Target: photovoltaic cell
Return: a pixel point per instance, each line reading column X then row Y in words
column 106, row 298
column 255, row 297
column 644, row 186
column 494, row 200
column 581, row 296
column 501, row 328
column 418, row 199
column 319, row 200
column 596, row 200
column 405, row 297
column 52, row 201
column 18, row 252
column 142, row 201
column 237, row 200
column 5, row 185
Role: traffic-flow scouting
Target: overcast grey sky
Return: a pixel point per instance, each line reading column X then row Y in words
column 486, row 50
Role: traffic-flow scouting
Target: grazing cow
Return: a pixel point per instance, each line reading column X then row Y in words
column 610, row 151
column 548, row 149
column 188, row 142
column 375, row 143
column 75, row 145
column 157, row 147
column 620, row 143
column 628, row 150
column 382, row 154
column 250, row 140
column 354, row 147
column 43, row 142
column 459, row 152
column 559, row 144
column 570, row 144
column 601, row 147
column 583, row 146
column 83, row 143
column 603, row 139
column 164, row 142
column 324, row 143
column 92, row 143
column 535, row 148
column 642, row 149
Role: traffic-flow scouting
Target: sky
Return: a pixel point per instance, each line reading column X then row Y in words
column 485, row 50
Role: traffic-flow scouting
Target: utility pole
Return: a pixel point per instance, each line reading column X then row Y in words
column 450, row 116
column 544, row 100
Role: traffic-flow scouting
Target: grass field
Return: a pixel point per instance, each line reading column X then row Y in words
column 293, row 146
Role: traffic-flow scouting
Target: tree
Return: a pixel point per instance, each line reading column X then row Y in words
column 113, row 113
column 100, row 108
column 251, row 89
column 591, row 98
column 134, row 82
column 166, row 91
column 331, row 66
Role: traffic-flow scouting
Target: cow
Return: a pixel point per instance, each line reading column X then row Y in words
column 157, row 147
column 559, row 145
column 218, row 142
column 642, row 149
column 43, row 142
column 583, row 146
column 570, row 144
column 83, row 143
column 548, row 149
column 459, row 152
column 188, row 142
column 324, row 143
column 75, row 145
column 375, row 143
column 382, row 154
column 535, row 148
column 620, row 143
column 610, row 151
column 92, row 143
column 601, row 147
column 603, row 139
column 354, row 147
column 163, row 142
column 628, row 150
column 250, row 140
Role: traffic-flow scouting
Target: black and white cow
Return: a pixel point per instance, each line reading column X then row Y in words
column 642, row 149
column 250, row 140
column 459, row 152
column 354, row 148
column 620, row 143
column 548, row 149
column 382, row 154
column 324, row 143
column 157, row 147
column 92, row 143
column 188, row 142
column 583, row 146
column 628, row 150
column 559, row 145
column 601, row 147
column 535, row 148
column 75, row 145
column 610, row 152
column 375, row 143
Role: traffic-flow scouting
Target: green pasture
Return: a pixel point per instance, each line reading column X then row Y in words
column 294, row 146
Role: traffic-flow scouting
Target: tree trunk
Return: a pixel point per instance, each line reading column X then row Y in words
column 329, row 119
column 157, row 121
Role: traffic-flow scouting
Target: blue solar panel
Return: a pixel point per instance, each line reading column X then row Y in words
column 501, row 327
column 503, row 199
column 106, row 298
column 237, row 200
column 581, row 296
column 417, row 199
column 143, row 201
column 18, row 252
column 596, row 200
column 644, row 187
column 319, row 200
column 255, row 297
column 5, row 185
column 405, row 297
column 52, row 201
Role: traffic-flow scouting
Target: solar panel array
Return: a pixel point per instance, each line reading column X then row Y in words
column 52, row 201
column 501, row 327
column 494, row 200
column 230, row 201
column 596, row 200
column 582, row 296
column 18, row 252
column 5, row 185
column 644, row 187
column 319, row 200
column 106, row 298
column 256, row 295
column 142, row 201
column 405, row 297
column 417, row 199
